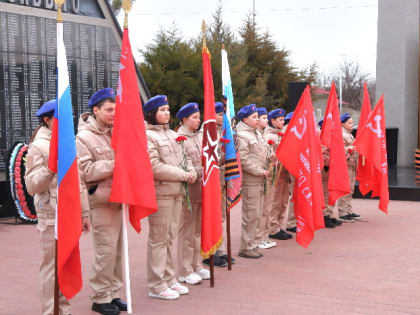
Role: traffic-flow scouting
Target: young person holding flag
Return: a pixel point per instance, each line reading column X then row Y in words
column 171, row 170
column 190, row 267
column 344, row 205
column 42, row 184
column 97, row 160
column 262, row 234
column 278, row 216
column 253, row 151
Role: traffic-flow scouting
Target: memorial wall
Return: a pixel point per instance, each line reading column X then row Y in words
column 28, row 66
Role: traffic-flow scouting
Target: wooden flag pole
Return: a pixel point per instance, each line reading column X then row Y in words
column 228, row 240
column 212, row 271
column 56, row 290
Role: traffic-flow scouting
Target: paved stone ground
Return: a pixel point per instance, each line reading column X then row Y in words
column 368, row 267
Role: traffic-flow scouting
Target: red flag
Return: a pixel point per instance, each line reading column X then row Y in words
column 371, row 143
column 299, row 153
column 332, row 138
column 365, row 171
column 211, row 222
column 132, row 182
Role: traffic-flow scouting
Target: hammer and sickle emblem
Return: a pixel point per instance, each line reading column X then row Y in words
column 298, row 134
column 378, row 130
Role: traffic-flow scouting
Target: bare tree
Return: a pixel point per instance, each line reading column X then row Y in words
column 353, row 78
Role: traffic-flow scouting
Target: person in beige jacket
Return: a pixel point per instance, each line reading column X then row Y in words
column 253, row 151
column 190, row 268
column 263, row 228
column 278, row 218
column 171, row 169
column 345, row 210
column 330, row 219
column 97, row 166
column 42, row 184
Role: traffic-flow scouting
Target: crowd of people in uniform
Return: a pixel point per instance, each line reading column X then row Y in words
column 267, row 209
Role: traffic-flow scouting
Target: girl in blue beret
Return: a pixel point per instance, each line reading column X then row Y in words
column 171, row 169
column 345, row 209
column 255, row 158
column 190, row 267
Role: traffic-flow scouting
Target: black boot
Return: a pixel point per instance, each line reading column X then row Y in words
column 328, row 223
column 105, row 308
column 122, row 305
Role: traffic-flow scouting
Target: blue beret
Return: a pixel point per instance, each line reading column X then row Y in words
column 261, row 111
column 155, row 102
column 345, row 117
column 320, row 123
column 47, row 109
column 101, row 95
column 187, row 110
column 288, row 116
column 247, row 110
column 219, row 107
column 276, row 113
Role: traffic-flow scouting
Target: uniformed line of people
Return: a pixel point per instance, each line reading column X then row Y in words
column 267, row 211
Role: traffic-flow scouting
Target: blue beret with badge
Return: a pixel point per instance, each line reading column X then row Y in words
column 288, row 117
column 187, row 110
column 47, row 109
column 320, row 123
column 279, row 112
column 218, row 107
column 345, row 117
column 262, row 111
column 101, row 95
column 247, row 110
column 155, row 102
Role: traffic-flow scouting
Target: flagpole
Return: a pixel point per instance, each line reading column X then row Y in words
column 228, row 241
column 126, row 258
column 126, row 7
column 203, row 29
column 56, row 292
column 59, row 4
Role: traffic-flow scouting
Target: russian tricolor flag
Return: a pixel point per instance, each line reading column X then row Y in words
column 63, row 161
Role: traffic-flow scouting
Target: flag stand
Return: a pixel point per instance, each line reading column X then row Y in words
column 212, row 271
column 126, row 259
column 56, row 292
column 229, row 248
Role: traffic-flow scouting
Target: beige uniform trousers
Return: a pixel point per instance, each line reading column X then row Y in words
column 264, row 224
column 344, row 203
column 279, row 215
column 107, row 276
column 328, row 210
column 163, row 231
column 222, row 249
column 189, row 240
column 47, row 274
column 291, row 219
column 252, row 204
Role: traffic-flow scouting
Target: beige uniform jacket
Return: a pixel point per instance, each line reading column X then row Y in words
column 192, row 147
column 42, row 184
column 253, row 152
column 96, row 158
column 348, row 142
column 166, row 157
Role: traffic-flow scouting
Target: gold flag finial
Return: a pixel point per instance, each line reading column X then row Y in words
column 59, row 4
column 126, row 7
column 203, row 29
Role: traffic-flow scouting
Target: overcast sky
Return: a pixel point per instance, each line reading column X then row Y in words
column 322, row 31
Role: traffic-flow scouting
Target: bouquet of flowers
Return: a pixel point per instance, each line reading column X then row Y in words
column 180, row 140
column 269, row 165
